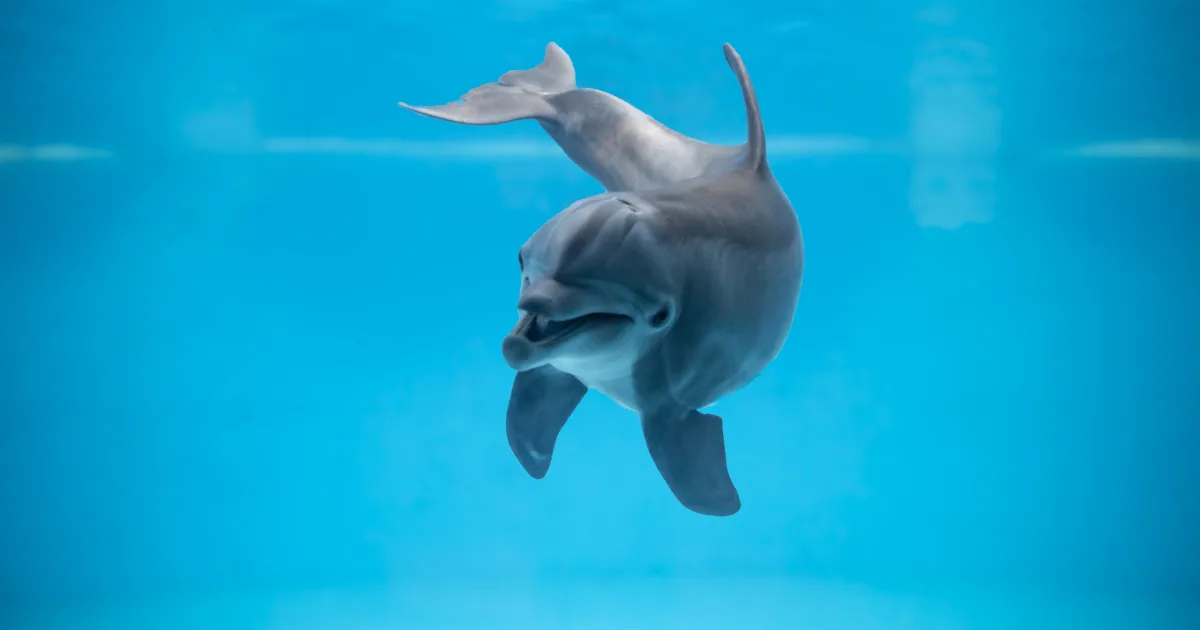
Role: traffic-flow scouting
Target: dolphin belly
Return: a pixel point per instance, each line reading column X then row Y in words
column 614, row 381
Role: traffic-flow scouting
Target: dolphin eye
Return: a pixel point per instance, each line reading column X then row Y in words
column 521, row 261
column 661, row 317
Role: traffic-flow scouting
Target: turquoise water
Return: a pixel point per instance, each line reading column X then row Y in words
column 251, row 311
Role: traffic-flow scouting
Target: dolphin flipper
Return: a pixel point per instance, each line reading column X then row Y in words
column 518, row 95
column 541, row 401
column 689, row 451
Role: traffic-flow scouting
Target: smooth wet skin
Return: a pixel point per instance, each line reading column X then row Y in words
column 619, row 145
column 673, row 289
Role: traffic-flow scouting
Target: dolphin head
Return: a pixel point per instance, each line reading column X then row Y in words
column 595, row 289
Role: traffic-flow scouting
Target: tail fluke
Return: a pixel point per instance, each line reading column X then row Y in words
column 518, row 95
column 555, row 74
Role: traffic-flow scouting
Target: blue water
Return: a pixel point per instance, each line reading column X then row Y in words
column 250, row 317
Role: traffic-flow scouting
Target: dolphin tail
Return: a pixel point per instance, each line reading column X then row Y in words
column 518, row 95
column 756, row 143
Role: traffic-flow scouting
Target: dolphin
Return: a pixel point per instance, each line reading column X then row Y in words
column 620, row 146
column 675, row 287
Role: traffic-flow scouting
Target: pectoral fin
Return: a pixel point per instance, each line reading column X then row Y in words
column 542, row 400
column 689, row 451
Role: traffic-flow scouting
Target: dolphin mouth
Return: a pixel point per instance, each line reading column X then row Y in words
column 541, row 330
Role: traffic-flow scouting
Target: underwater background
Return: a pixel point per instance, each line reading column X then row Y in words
column 251, row 312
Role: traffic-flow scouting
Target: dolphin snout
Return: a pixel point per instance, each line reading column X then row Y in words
column 552, row 299
column 543, row 298
column 517, row 348
column 536, row 302
column 518, row 352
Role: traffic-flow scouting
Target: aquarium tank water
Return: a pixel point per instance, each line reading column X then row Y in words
column 251, row 314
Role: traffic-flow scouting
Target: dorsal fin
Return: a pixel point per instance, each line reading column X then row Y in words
column 756, row 144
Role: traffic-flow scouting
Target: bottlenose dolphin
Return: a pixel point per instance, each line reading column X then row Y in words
column 673, row 289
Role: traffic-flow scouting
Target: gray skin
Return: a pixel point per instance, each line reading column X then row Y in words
column 673, row 289
column 617, row 144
